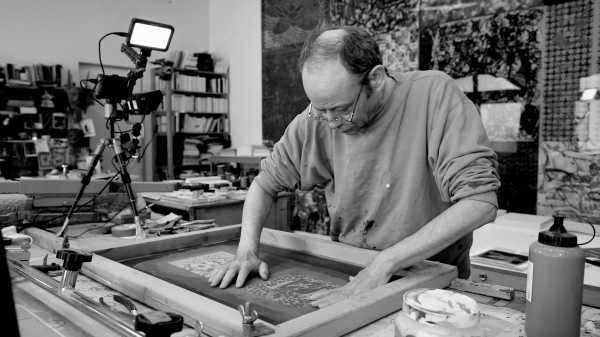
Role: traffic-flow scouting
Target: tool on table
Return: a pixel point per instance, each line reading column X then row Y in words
column 124, row 230
column 592, row 252
column 52, row 269
column 592, row 256
column 444, row 313
column 172, row 224
column 72, row 263
column 249, row 316
column 16, row 244
column 493, row 290
column 153, row 323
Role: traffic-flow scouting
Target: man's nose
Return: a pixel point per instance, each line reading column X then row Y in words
column 334, row 123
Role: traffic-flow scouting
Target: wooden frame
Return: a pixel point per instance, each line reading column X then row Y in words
column 220, row 319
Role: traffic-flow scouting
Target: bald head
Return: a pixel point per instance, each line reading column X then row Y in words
column 326, row 48
column 354, row 48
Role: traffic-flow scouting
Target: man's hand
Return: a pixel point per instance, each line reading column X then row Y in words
column 369, row 278
column 245, row 262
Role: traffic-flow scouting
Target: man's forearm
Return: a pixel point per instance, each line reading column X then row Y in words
column 452, row 224
column 256, row 208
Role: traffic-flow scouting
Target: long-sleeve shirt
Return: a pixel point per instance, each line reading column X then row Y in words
column 425, row 151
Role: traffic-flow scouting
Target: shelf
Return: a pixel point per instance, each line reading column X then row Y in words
column 256, row 160
column 194, row 72
column 201, row 133
column 163, row 113
column 209, row 104
column 195, row 133
column 191, row 163
column 199, row 94
column 205, row 113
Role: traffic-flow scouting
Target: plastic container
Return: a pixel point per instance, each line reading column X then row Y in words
column 554, row 284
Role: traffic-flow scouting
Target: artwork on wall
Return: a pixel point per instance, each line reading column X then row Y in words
column 507, row 47
column 433, row 12
column 569, row 182
column 504, row 45
column 501, row 120
column 392, row 22
column 568, row 49
column 285, row 26
column 568, row 178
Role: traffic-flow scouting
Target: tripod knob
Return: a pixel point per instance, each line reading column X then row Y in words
column 73, row 259
column 158, row 323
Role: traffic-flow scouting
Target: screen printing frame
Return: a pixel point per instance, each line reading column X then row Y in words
column 220, row 319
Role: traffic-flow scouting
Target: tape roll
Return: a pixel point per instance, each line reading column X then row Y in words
column 123, row 230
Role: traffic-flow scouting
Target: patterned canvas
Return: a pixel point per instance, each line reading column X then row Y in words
column 439, row 11
column 568, row 50
column 289, row 287
column 505, row 45
column 392, row 22
column 285, row 26
column 569, row 182
column 285, row 295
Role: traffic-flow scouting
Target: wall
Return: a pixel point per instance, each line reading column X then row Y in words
column 235, row 35
column 67, row 32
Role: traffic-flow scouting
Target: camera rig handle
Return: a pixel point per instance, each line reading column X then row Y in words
column 140, row 60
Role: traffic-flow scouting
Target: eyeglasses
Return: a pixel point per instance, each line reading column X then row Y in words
column 345, row 115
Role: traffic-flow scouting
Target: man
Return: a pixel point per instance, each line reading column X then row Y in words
column 403, row 156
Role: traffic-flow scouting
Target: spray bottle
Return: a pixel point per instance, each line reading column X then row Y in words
column 554, row 284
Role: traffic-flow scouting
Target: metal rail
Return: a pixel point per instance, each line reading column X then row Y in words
column 87, row 306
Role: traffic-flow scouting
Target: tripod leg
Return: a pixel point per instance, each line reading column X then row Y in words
column 84, row 182
column 126, row 179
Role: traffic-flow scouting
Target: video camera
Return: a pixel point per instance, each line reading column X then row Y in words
column 148, row 36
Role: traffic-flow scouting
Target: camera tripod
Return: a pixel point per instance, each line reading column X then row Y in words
column 114, row 143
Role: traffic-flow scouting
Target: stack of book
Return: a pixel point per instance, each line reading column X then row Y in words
column 199, row 84
column 183, row 103
column 190, row 147
column 31, row 75
column 193, row 124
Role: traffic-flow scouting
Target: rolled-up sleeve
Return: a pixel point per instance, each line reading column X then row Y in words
column 463, row 163
column 280, row 170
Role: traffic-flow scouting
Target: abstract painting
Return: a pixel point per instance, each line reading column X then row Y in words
column 569, row 182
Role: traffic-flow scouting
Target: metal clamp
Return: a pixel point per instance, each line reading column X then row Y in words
column 249, row 316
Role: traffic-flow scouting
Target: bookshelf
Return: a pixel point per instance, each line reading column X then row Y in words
column 194, row 114
column 34, row 120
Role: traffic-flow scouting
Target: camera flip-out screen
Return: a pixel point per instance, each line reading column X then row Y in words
column 149, row 35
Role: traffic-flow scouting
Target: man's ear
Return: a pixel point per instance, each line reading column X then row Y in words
column 377, row 76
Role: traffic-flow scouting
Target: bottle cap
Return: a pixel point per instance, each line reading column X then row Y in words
column 557, row 235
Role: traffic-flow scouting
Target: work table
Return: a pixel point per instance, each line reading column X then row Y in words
column 486, row 237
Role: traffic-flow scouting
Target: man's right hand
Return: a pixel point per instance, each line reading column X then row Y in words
column 245, row 262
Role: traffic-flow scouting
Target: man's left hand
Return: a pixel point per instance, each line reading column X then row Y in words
column 369, row 278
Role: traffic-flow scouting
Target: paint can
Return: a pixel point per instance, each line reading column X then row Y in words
column 436, row 313
column 445, row 313
column 125, row 230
